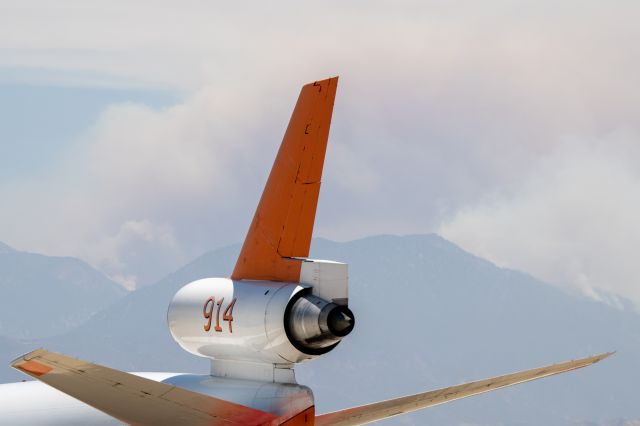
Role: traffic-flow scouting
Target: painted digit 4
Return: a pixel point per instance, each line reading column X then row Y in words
column 228, row 314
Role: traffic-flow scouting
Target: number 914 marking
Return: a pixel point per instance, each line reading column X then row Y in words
column 227, row 315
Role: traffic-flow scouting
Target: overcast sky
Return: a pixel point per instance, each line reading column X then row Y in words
column 136, row 135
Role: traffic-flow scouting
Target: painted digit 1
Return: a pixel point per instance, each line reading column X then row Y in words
column 208, row 312
column 217, row 327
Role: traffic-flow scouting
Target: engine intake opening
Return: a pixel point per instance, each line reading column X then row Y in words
column 316, row 326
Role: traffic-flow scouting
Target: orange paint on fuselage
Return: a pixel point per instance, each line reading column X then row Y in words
column 305, row 418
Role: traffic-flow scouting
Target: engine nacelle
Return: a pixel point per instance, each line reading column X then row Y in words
column 256, row 321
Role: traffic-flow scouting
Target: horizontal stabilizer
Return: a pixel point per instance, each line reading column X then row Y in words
column 381, row 410
column 133, row 399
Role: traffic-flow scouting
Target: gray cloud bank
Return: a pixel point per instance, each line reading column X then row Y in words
column 509, row 127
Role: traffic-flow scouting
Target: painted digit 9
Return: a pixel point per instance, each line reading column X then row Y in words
column 207, row 311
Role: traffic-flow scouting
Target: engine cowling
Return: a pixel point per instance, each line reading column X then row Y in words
column 256, row 321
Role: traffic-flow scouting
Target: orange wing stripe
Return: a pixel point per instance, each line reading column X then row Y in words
column 283, row 222
column 34, row 368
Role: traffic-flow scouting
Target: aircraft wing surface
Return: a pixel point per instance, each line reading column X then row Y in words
column 132, row 399
column 381, row 410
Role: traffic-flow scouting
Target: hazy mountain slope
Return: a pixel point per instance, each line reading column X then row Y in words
column 431, row 315
column 133, row 334
column 4, row 249
column 427, row 315
column 43, row 296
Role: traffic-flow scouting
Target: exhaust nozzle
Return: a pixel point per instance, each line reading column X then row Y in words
column 315, row 325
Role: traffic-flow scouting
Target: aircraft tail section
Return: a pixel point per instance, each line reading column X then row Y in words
column 283, row 222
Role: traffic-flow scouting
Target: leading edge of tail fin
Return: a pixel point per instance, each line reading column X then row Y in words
column 283, row 222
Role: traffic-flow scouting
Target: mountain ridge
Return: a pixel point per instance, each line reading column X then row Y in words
column 61, row 293
column 5, row 248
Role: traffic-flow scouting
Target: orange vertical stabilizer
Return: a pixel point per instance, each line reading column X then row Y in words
column 283, row 222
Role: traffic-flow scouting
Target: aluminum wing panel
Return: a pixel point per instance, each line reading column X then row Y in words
column 132, row 399
column 381, row 410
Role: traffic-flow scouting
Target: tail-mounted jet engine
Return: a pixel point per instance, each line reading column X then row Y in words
column 278, row 307
column 263, row 322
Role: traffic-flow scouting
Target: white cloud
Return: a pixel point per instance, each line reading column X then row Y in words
column 441, row 105
column 573, row 221
column 140, row 246
column 136, row 178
